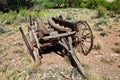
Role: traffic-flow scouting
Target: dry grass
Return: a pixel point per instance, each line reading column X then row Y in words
column 97, row 46
column 103, row 33
column 117, row 44
column 11, row 73
column 2, row 48
column 92, row 76
column 78, row 48
column 18, row 51
column 107, row 60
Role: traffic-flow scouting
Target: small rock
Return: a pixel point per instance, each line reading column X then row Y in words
column 114, row 55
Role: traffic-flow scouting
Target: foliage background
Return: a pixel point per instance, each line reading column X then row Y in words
column 7, row 5
column 15, row 11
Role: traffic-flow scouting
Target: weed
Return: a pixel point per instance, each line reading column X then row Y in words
column 2, row 48
column 101, row 11
column 18, row 51
column 83, row 5
column 68, row 17
column 107, row 77
column 92, row 76
column 44, row 14
column 97, row 46
column 103, row 33
column 107, row 60
column 24, row 12
column 8, row 18
column 86, row 66
column 78, row 48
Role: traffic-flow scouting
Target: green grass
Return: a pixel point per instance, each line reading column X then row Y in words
column 12, row 17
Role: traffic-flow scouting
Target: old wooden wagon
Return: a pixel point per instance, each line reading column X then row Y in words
column 60, row 32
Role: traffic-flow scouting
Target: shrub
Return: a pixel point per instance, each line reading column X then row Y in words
column 116, row 5
column 8, row 18
column 44, row 14
column 40, row 4
column 92, row 4
column 23, row 12
column 83, row 5
column 101, row 11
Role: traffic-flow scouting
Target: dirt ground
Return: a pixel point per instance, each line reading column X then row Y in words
column 103, row 60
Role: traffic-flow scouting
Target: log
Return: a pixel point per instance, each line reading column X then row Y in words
column 58, row 27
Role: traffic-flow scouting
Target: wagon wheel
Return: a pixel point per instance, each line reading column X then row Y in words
column 35, row 49
column 28, row 44
column 85, row 36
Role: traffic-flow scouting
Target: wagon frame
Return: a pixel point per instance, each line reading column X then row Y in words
column 59, row 32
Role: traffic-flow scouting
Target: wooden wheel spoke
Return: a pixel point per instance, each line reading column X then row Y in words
column 86, row 34
column 83, row 31
column 87, row 41
column 84, row 47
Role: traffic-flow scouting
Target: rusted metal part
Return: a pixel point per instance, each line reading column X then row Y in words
column 45, row 45
column 78, row 39
column 27, row 43
column 58, row 27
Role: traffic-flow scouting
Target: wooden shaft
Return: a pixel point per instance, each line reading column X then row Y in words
column 59, row 35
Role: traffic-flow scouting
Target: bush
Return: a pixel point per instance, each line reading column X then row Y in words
column 23, row 12
column 116, row 5
column 101, row 11
column 8, row 18
column 92, row 4
column 83, row 5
